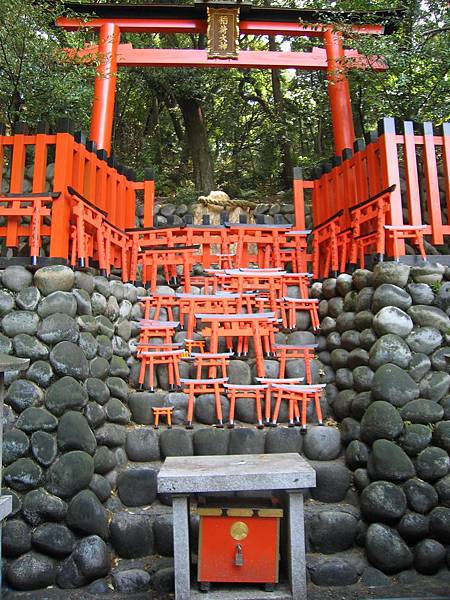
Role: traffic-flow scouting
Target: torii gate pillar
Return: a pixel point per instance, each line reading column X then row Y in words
column 338, row 92
column 105, row 87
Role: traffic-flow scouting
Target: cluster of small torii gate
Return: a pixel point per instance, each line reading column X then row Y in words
column 87, row 217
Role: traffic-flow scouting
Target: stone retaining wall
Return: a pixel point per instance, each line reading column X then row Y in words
column 386, row 335
column 81, row 456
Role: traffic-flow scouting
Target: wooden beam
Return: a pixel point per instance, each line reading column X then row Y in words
column 135, row 25
column 128, row 56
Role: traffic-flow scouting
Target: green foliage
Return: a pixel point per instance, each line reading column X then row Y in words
column 251, row 134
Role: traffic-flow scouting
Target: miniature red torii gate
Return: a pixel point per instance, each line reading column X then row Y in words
column 112, row 19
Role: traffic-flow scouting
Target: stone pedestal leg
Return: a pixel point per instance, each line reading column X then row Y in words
column 296, row 547
column 181, row 547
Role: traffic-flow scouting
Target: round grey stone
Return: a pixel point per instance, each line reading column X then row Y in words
column 428, row 273
column 31, row 571
column 117, row 412
column 40, row 372
column 367, row 338
column 362, row 378
column 421, row 293
column 23, row 475
column 390, row 272
column 440, row 524
column 360, row 404
column 429, row 316
column 132, row 535
column 419, row 366
column 435, row 385
column 205, row 408
column 441, row 435
column 381, row 421
column 16, row 538
column 383, row 501
column 163, row 535
column 390, row 348
column 111, row 435
column 97, row 390
column 331, row 531
column 350, row 430
column 36, row 419
column 65, row 394
column 84, row 281
column 7, row 302
column 335, row 306
column 422, row 411
column 390, row 295
column 101, row 487
column 429, row 556
column 176, row 442
column 104, row 460
column 394, row 385
column 98, row 304
column 16, row 278
column 58, row 302
column 88, row 344
column 27, row 346
column 246, row 441
column 329, row 288
column 117, row 387
column 389, row 462
column 332, row 571
column 332, row 481
column 364, row 299
column 322, row 443
column 131, row 580
column 58, row 327
column 27, row 299
column 142, row 445
column 421, row 496
column 74, row 433
column 239, row 372
column 43, row 448
column 67, row 358
column 415, row 438
column 95, row 415
column 391, row 319
column 342, row 404
column 40, row 506
column 22, row 394
column 87, row 323
column 358, row 357
column 283, row 440
column 362, row 278
column 92, row 557
column 356, row 455
column 439, row 359
column 69, row 474
column 141, row 404
column 413, row 527
column 432, row 463
column 443, row 490
column 87, row 515
column 83, row 302
column 20, row 321
column 137, row 487
column 386, row 550
column 363, row 320
column 424, row 339
column 15, row 445
column 54, row 278
column 211, row 441
column 53, row 539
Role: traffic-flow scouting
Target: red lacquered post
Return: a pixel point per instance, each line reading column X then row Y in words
column 105, row 87
column 338, row 91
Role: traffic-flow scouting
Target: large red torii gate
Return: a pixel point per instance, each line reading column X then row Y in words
column 112, row 19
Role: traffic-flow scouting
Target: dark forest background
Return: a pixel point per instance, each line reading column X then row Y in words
column 239, row 130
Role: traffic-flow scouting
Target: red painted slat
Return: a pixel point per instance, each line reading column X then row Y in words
column 432, row 184
column 411, row 174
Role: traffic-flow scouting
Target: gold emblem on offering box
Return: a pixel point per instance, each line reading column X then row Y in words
column 223, row 32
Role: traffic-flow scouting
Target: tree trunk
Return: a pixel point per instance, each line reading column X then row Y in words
column 197, row 139
column 285, row 143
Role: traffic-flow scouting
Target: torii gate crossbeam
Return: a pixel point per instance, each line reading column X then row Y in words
column 112, row 19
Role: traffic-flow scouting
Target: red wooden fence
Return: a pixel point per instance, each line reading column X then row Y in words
column 76, row 164
column 413, row 158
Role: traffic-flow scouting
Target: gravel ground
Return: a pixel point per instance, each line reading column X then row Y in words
column 434, row 590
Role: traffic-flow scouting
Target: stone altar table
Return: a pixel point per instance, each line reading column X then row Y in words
column 190, row 475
